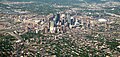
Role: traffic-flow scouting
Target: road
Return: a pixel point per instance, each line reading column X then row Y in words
column 112, row 14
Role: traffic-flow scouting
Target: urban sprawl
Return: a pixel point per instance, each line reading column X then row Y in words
column 68, row 33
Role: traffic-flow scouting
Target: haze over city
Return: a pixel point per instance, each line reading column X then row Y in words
column 59, row 28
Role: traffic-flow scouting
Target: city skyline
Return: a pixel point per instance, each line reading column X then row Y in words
column 59, row 28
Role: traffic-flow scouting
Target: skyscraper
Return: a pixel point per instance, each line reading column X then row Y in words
column 57, row 19
column 51, row 26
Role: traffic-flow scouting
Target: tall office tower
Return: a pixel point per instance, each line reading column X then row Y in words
column 45, row 29
column 69, row 21
column 66, row 24
column 72, row 21
column 68, row 18
column 62, row 21
column 55, row 30
column 77, row 23
column 82, row 21
column 54, row 20
column 57, row 19
column 62, row 16
column 51, row 26
column 63, row 29
column 88, row 24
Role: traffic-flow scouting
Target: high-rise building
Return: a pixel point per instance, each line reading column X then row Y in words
column 72, row 21
column 77, row 23
column 62, row 16
column 51, row 26
column 68, row 17
column 57, row 18
column 62, row 21
column 46, row 29
column 63, row 29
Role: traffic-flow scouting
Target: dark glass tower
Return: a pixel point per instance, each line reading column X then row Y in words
column 57, row 19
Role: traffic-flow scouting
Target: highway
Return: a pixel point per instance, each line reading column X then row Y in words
column 12, row 33
column 112, row 14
